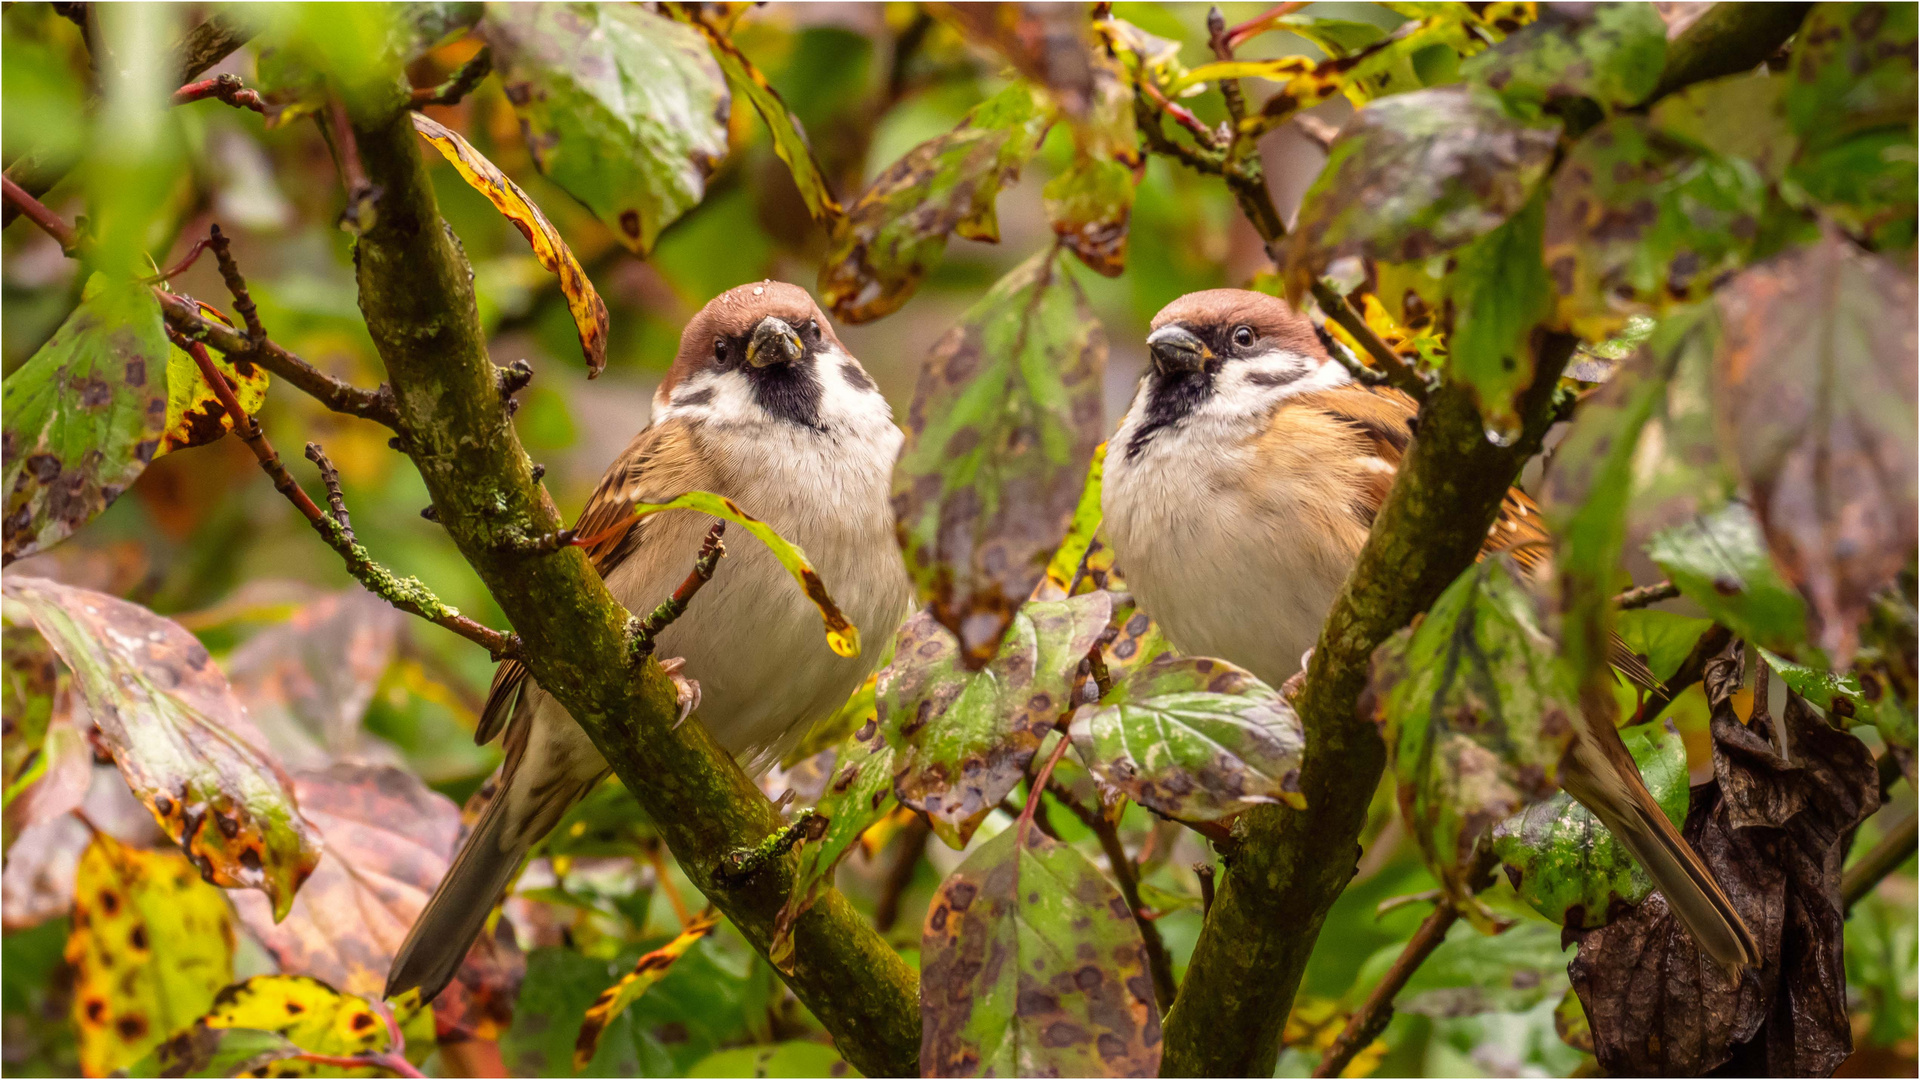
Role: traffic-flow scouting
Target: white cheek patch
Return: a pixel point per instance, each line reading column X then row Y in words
column 1256, row 384
column 716, row 396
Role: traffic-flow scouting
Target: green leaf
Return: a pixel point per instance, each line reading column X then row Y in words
column 1885, row 665
column 180, row 737
column 1739, row 116
column 1004, row 420
column 1194, row 739
column 962, row 740
column 1417, row 175
column 1814, row 389
column 1866, row 185
column 137, row 147
column 895, row 232
column 1609, row 53
column 215, row 1052
column 1817, row 685
column 1720, row 562
column 43, row 98
column 859, row 793
column 1499, row 291
column 1476, row 709
column 793, row 1058
column 83, row 416
column 1089, row 206
column 1566, row 865
column 1680, row 471
column 1472, row 973
column 622, row 108
column 1662, row 638
column 1638, row 221
column 1032, row 965
column 1852, row 70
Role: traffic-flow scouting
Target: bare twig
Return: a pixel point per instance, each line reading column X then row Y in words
column 1204, row 871
column 361, row 195
column 229, row 88
column 1039, row 785
column 711, row 551
column 1238, row 35
column 1223, row 47
column 1397, row 371
column 184, row 317
column 48, row 222
column 459, row 84
column 1893, row 850
column 1646, row 595
column 330, row 476
column 1183, row 116
column 237, row 285
column 1367, row 1024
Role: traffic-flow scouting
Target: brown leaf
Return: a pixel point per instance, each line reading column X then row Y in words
column 1773, row 828
column 1815, row 387
column 307, row 682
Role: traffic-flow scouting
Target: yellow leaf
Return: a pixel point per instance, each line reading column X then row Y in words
column 589, row 313
column 195, row 416
column 1086, row 521
column 150, row 947
column 650, row 969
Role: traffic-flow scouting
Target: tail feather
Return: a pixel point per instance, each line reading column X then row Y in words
column 1623, row 804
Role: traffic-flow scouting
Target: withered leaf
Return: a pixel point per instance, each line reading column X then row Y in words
column 962, row 740
column 1814, row 388
column 648, row 970
column 48, row 764
column 1032, row 965
column 1048, row 43
column 179, row 736
column 1004, row 420
column 195, row 415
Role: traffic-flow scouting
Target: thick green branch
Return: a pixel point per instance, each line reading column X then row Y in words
column 417, row 296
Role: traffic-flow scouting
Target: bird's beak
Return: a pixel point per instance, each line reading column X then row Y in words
column 774, row 342
column 1176, row 350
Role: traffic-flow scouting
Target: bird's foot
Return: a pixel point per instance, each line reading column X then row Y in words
column 686, row 690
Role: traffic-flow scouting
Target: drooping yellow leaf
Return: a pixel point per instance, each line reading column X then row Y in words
column 650, row 969
column 589, row 312
column 195, row 416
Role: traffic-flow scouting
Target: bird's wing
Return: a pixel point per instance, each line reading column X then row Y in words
column 660, row 463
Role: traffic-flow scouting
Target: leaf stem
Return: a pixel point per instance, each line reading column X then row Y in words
column 459, row 84
column 711, row 551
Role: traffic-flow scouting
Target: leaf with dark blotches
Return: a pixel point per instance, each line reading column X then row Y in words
column 1032, row 965
column 1720, row 562
column 1611, row 54
column 48, row 765
column 895, row 232
column 1739, row 116
column 388, row 841
column 151, row 945
column 859, row 793
column 1476, row 708
column 647, row 971
column 180, row 737
column 1853, row 70
column 624, row 109
column 1815, row 386
column 307, row 682
column 1194, row 739
column 216, row 1052
column 82, row 417
column 1414, row 176
column 1773, row 828
column 1639, row 220
column 1679, row 472
column 962, row 740
column 195, row 415
column 1089, row 206
column 1566, row 865
column 583, row 301
column 1003, row 423
column 1049, row 44
column 1499, row 293
column 310, row 1015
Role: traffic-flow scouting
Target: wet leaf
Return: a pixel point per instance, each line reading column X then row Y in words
column 1609, row 53
column 82, row 417
column 962, row 740
column 589, row 312
column 1772, row 828
column 150, row 947
column 1819, row 686
column 1049, row 44
column 1414, row 176
column 859, row 793
column 195, row 416
column 1032, row 965
column 1815, row 387
column 895, row 232
column 1638, row 221
column 649, row 970
column 307, row 682
column 1566, row 865
column 1003, row 422
column 180, row 737
column 1476, row 708
column 1721, row 563
column 1499, row 292
column 622, row 108
column 1089, row 206
column 1194, row 739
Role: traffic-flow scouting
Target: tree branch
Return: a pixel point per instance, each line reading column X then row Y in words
column 1728, row 39
column 228, row 88
column 1366, row 1025
column 1646, row 595
column 1893, row 850
column 459, row 84
column 417, row 296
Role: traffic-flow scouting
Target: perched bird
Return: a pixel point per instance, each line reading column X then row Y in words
column 1239, row 489
column 764, row 405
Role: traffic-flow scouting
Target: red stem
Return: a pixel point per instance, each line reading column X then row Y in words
column 1039, row 785
column 37, row 212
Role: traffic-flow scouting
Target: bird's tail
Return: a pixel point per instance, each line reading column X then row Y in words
column 1609, row 785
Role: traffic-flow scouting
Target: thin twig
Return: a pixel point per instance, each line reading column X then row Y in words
column 1223, row 50
column 1183, row 116
column 711, row 551
column 1893, row 850
column 229, row 88
column 1367, row 1024
column 1389, row 363
column 37, row 212
column 237, row 285
column 361, row 196
column 184, row 317
column 1204, row 871
column 330, row 476
column 1238, row 35
column 459, row 84
column 393, row 1063
column 1646, row 595
column 1039, row 785
column 1690, row 671
column 1126, row 873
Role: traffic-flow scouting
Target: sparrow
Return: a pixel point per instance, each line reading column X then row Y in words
column 763, row 404
column 1239, row 489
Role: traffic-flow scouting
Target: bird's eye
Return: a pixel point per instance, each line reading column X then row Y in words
column 720, row 349
column 1243, row 336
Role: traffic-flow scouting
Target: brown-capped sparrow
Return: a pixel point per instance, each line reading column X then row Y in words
column 764, row 405
column 1239, row 489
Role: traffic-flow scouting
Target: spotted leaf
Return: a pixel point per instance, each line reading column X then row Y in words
column 309, row 1015
column 1064, row 568
column 1089, row 206
column 1611, row 54
column 180, row 737
column 1032, row 965
column 962, row 740
column 859, row 794
column 649, row 970
column 195, row 415
column 589, row 312
column 1049, row 44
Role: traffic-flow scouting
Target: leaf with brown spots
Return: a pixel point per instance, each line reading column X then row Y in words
column 1032, row 965
column 215, row 1052
column 621, row 107
column 1049, row 44
column 151, row 945
column 1773, row 827
column 310, row 1015
column 48, row 764
column 1194, row 739
column 1003, row 423
column 1720, row 562
column 388, row 841
column 1611, row 54
column 80, row 420
column 180, row 737
column 1089, row 206
column 589, row 312
column 895, row 232
column 650, row 969
column 859, row 793
column 1476, row 709
column 195, row 416
column 1815, row 388
column 962, row 740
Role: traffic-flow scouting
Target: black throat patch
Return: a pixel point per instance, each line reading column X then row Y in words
column 1171, row 398
column 790, row 392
